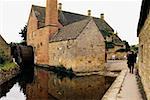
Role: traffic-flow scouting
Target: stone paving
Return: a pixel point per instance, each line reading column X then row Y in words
column 128, row 89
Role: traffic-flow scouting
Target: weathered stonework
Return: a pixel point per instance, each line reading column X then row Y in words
column 39, row 37
column 118, row 55
column 86, row 53
column 7, row 75
column 144, row 56
column 4, row 46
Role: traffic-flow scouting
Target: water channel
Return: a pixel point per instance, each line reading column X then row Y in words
column 42, row 84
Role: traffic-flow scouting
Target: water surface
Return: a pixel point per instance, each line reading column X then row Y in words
column 41, row 84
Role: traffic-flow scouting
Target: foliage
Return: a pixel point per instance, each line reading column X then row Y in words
column 109, row 45
column 7, row 66
column 127, row 45
column 134, row 48
column 2, row 56
column 62, row 72
column 23, row 33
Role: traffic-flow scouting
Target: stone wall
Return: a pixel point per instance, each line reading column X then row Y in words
column 118, row 55
column 38, row 38
column 4, row 46
column 7, row 75
column 144, row 56
column 86, row 53
column 31, row 27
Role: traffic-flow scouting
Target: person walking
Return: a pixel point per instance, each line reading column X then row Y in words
column 131, row 60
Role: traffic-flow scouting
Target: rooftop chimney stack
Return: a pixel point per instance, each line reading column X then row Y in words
column 89, row 12
column 60, row 6
column 102, row 16
column 51, row 13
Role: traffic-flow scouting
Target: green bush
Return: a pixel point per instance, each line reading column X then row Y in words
column 3, row 57
column 7, row 66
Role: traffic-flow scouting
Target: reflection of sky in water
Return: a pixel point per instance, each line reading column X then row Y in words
column 13, row 93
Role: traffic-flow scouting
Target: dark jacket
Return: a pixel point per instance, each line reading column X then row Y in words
column 131, row 59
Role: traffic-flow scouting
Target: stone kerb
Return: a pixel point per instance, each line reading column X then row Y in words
column 114, row 90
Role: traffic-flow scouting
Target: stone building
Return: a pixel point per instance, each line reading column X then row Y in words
column 51, row 27
column 79, row 45
column 144, row 46
column 115, row 46
column 4, row 47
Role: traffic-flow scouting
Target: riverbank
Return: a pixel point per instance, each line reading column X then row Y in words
column 8, row 71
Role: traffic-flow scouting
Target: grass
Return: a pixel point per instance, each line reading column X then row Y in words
column 7, row 66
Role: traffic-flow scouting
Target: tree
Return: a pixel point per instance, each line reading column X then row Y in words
column 2, row 57
column 134, row 48
column 23, row 33
column 127, row 45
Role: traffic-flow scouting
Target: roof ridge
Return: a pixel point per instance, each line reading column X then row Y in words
column 63, row 35
column 3, row 39
column 78, row 22
column 38, row 6
column 67, row 17
column 89, row 19
column 69, row 12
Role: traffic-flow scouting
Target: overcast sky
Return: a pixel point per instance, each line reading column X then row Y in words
column 122, row 15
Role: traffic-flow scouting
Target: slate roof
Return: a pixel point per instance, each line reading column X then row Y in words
column 66, row 18
column 117, row 40
column 39, row 13
column 71, row 22
column 71, row 31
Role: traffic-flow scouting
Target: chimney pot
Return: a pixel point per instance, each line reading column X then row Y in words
column 60, row 6
column 102, row 16
column 89, row 12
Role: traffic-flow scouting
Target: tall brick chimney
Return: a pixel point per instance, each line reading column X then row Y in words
column 51, row 27
column 51, row 18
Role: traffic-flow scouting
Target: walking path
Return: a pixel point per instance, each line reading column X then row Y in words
column 129, row 89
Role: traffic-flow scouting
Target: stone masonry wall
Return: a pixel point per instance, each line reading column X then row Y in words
column 86, row 53
column 31, row 27
column 144, row 56
column 39, row 39
column 4, row 46
column 119, row 55
column 90, row 49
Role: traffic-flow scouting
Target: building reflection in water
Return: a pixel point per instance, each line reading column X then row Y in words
column 47, row 86
column 41, row 84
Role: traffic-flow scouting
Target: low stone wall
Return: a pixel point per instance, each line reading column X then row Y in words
column 7, row 75
column 113, row 91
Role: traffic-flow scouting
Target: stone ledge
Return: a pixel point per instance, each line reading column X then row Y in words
column 5, row 76
column 113, row 91
column 102, row 73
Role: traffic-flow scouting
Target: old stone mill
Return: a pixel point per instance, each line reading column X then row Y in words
column 67, row 56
